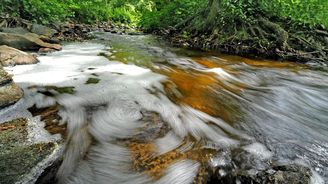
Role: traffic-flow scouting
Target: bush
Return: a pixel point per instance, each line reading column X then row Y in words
column 47, row 11
column 124, row 15
column 303, row 12
column 11, row 7
column 170, row 13
column 156, row 14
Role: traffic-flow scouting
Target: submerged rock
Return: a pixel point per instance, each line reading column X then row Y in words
column 250, row 169
column 10, row 56
column 92, row 80
column 26, row 42
column 284, row 174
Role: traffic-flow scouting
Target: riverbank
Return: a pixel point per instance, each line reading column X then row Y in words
column 309, row 46
column 263, row 39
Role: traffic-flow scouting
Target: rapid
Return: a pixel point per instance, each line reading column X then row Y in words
column 142, row 111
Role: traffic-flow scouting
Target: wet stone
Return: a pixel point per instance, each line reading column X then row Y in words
column 10, row 94
column 249, row 169
column 18, row 156
column 5, row 78
column 50, row 116
column 10, row 56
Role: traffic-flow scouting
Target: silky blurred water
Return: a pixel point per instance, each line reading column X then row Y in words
column 160, row 114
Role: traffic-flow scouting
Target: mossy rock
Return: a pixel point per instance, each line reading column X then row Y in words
column 12, row 133
column 18, row 156
column 10, row 94
column 5, row 78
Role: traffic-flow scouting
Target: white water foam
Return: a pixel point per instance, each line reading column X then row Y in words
column 110, row 110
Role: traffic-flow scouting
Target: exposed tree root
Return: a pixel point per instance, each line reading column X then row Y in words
column 263, row 37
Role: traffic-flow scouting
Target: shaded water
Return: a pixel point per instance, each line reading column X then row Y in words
column 156, row 114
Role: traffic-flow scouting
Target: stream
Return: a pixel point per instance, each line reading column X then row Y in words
column 141, row 111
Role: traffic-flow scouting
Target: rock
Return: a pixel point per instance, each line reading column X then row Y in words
column 285, row 175
column 5, row 78
column 16, row 30
column 46, row 50
column 22, row 160
column 25, row 42
column 10, row 56
column 42, row 30
column 249, row 169
column 10, row 93
column 50, row 40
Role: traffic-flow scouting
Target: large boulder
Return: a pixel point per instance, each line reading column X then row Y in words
column 42, row 30
column 24, row 160
column 26, row 42
column 10, row 56
column 10, row 92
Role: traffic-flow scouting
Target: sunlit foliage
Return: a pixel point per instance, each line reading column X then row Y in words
column 153, row 14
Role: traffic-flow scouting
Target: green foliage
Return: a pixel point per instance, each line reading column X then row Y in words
column 311, row 13
column 156, row 14
column 87, row 11
column 169, row 13
column 46, row 11
column 303, row 12
column 11, row 7
column 124, row 14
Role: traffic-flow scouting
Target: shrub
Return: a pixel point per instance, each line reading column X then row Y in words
column 170, row 13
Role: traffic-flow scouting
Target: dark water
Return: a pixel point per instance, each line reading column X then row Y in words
column 159, row 114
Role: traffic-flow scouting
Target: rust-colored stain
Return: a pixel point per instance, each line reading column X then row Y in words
column 213, row 63
column 51, row 118
column 203, row 91
column 6, row 127
column 262, row 63
column 193, row 87
column 147, row 160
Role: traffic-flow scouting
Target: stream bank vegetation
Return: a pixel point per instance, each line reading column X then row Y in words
column 279, row 29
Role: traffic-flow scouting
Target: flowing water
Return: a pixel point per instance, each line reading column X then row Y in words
column 139, row 111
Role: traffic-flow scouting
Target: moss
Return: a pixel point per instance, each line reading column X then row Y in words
column 13, row 132
column 16, row 155
column 68, row 89
column 18, row 161
column 92, row 81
